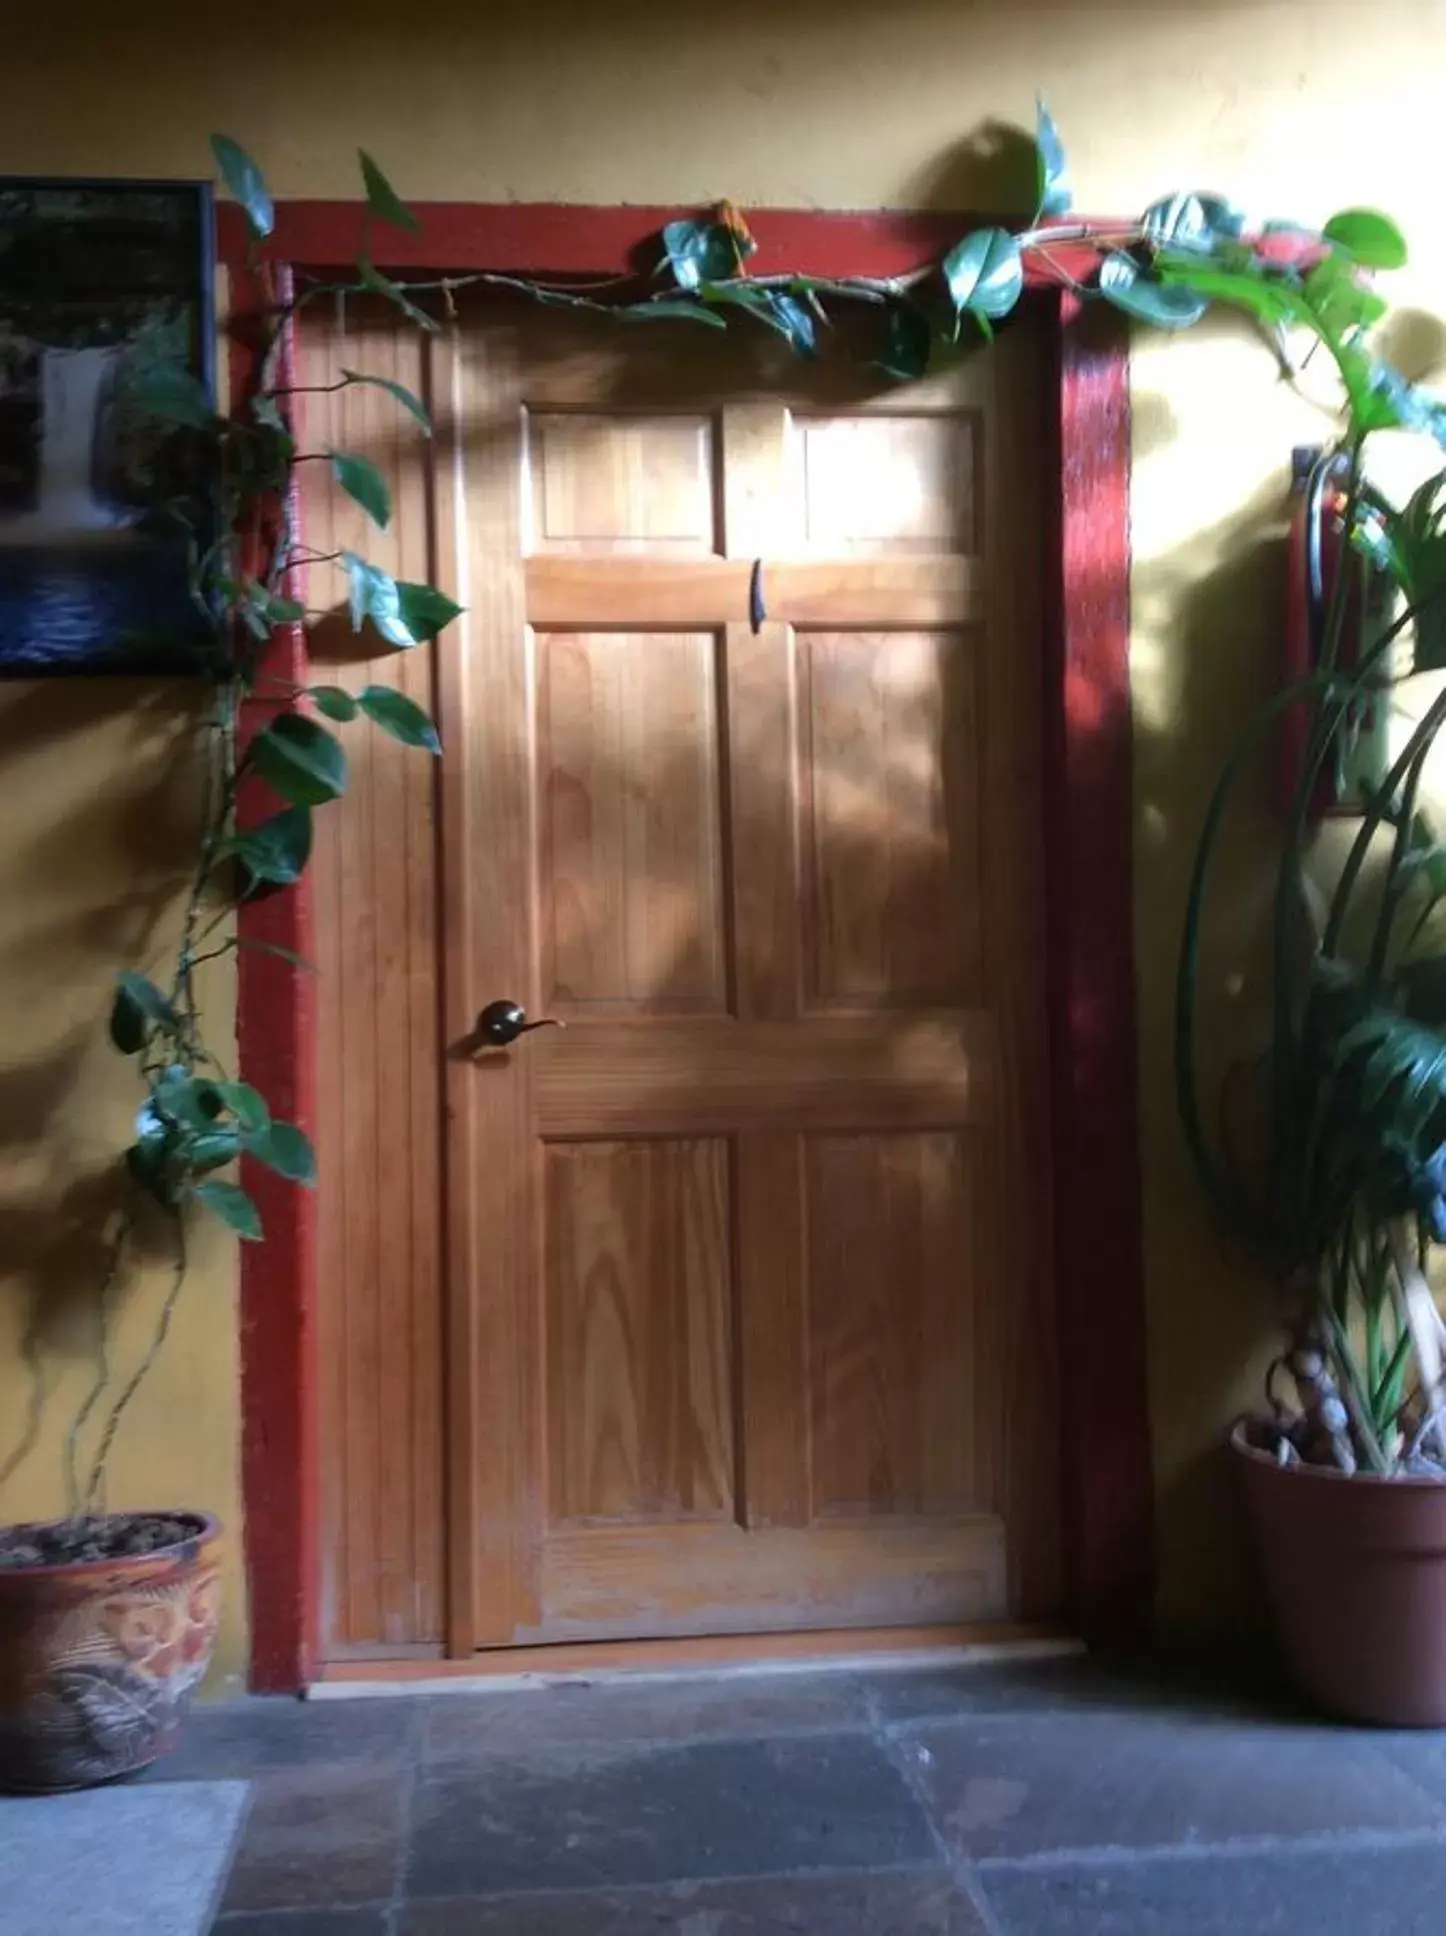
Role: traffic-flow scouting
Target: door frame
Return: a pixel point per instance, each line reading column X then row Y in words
column 1105, row 1464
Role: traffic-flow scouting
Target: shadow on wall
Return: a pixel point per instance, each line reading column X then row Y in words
column 99, row 805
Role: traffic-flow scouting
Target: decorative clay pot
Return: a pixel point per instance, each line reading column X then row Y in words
column 99, row 1657
column 1356, row 1571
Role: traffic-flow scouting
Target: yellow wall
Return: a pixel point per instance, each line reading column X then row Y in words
column 808, row 102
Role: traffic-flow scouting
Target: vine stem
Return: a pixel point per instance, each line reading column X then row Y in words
column 76, row 1504
column 142, row 1370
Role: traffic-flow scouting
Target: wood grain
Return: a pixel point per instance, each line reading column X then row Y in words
column 379, row 1098
column 740, row 1261
column 692, row 593
column 638, row 1374
column 891, row 733
column 629, row 789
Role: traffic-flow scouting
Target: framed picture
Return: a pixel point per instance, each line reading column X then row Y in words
column 102, row 505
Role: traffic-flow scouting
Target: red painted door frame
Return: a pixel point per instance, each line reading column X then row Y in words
column 1105, row 1448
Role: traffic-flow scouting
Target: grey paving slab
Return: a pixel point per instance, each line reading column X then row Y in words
column 125, row 1861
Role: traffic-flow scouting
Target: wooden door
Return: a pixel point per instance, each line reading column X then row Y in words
column 748, row 1262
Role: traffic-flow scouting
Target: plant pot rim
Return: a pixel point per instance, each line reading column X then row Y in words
column 1323, row 1474
column 208, row 1528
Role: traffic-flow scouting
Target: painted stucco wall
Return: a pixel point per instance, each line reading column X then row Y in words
column 813, row 103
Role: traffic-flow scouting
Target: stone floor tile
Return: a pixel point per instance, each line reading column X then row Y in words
column 1036, row 1782
column 1312, row 1892
column 1078, row 1684
column 571, row 1717
column 249, row 1737
column 709, row 1810
column 894, row 1905
column 307, row 1922
column 320, row 1837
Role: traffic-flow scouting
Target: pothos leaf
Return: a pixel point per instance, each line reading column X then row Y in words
column 137, row 1006
column 670, row 309
column 908, row 341
column 333, row 701
column 300, row 759
column 374, row 595
column 284, row 1148
column 382, row 199
column 699, row 252
column 246, row 183
column 1191, row 221
column 1370, row 236
column 1166, row 305
column 408, row 399
column 1054, row 197
column 277, row 849
column 423, row 610
column 985, row 273
column 363, row 482
column 399, row 716
column 232, row 1205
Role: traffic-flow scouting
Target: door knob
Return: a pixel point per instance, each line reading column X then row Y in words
column 501, row 1022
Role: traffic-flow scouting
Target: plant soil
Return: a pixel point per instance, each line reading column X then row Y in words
column 116, row 1536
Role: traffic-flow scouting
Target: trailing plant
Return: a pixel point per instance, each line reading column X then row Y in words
column 1357, row 1176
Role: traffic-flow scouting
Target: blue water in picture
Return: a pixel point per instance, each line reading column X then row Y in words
column 120, row 606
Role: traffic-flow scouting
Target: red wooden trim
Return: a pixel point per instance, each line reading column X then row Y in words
column 550, row 239
column 276, row 1044
column 1107, row 1473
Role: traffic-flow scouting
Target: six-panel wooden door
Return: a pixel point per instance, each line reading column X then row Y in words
column 747, row 1273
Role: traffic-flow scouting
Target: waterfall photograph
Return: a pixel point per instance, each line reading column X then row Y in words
column 101, row 503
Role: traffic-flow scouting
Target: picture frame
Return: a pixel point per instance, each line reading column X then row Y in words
column 103, row 506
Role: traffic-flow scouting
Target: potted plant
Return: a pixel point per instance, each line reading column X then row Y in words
column 1343, row 1196
column 108, row 1620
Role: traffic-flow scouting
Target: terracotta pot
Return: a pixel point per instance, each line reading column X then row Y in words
column 1356, row 1571
column 98, row 1659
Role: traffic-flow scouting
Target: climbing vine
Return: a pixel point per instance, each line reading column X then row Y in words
column 249, row 565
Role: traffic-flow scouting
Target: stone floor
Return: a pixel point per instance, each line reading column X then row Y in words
column 1059, row 1799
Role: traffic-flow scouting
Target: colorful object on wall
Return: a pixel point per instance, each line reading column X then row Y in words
column 105, row 333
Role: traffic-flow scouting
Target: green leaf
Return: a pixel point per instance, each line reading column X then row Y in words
column 1338, row 300
column 382, row 199
column 246, row 183
column 908, row 341
column 400, row 716
column 1371, row 237
column 375, row 595
column 267, row 411
column 1125, row 284
column 300, row 759
column 362, row 481
column 212, row 1149
column 263, row 610
column 700, row 252
column 188, row 1100
column 985, row 273
column 172, row 395
column 149, row 1157
column 408, row 399
column 794, row 322
column 277, row 849
column 1271, row 301
column 284, row 1148
column 335, row 701
column 671, row 309
column 423, row 610
column 138, row 1004
column 232, row 1205
column 1054, row 197
column 373, row 279
column 1192, row 222
column 246, row 1104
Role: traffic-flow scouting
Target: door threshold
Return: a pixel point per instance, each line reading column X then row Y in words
column 510, row 1670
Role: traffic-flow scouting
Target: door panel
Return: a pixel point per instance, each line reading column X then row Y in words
column 748, row 1290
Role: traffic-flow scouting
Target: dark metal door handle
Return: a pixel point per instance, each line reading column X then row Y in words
column 501, row 1022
